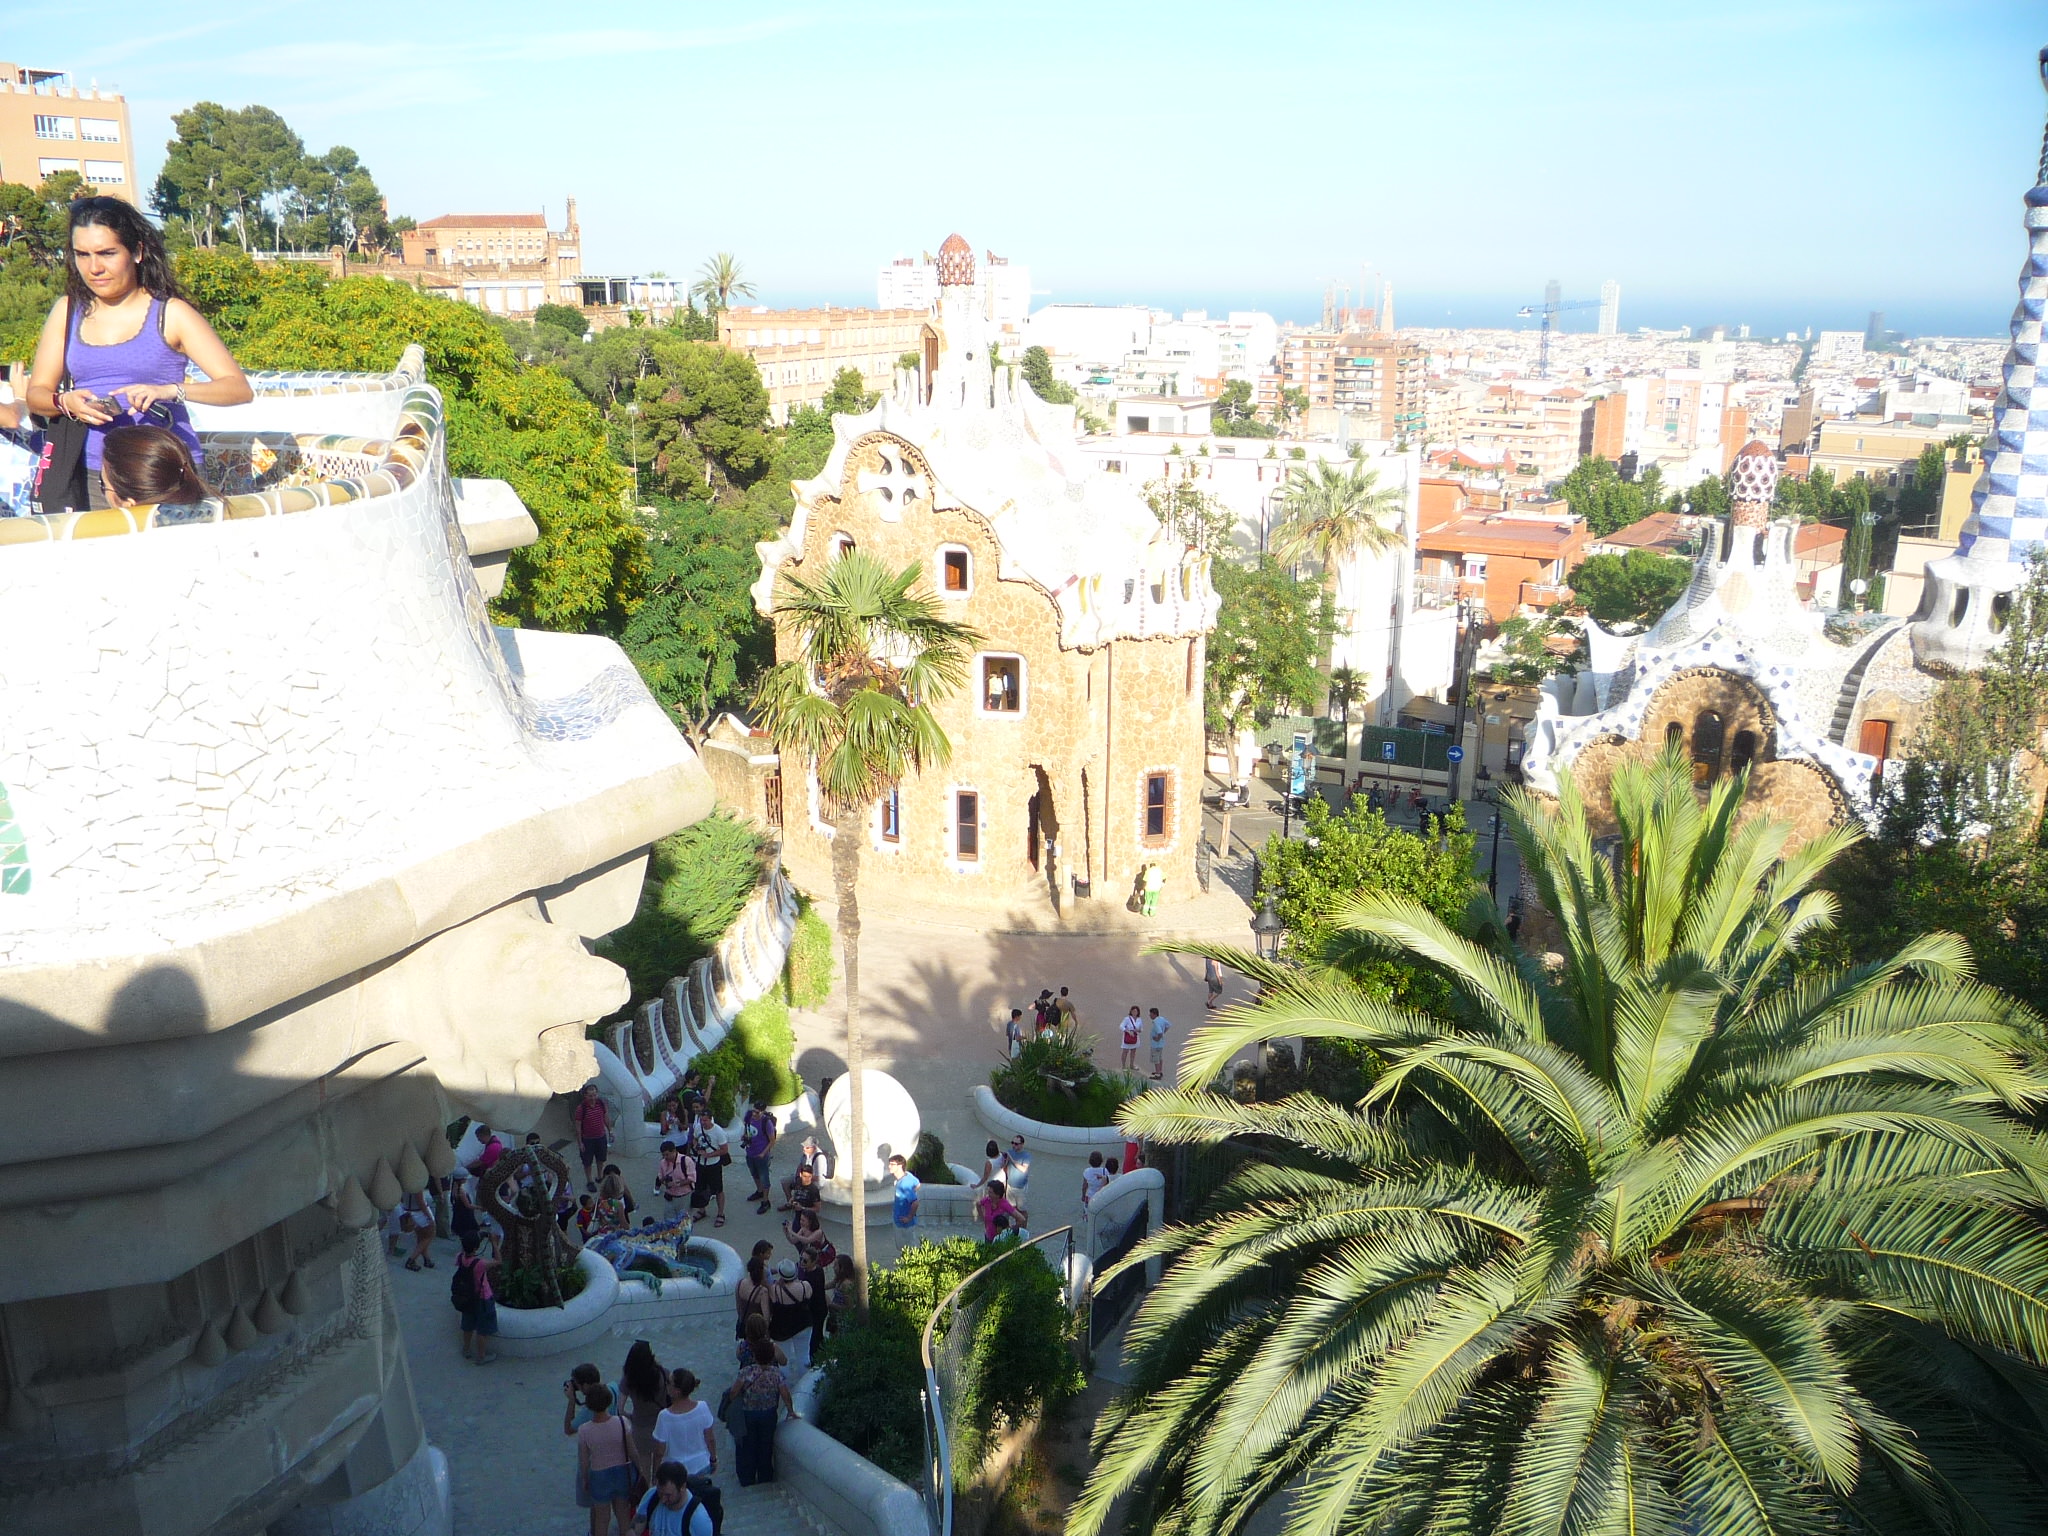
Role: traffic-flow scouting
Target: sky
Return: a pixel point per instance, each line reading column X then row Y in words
column 1780, row 165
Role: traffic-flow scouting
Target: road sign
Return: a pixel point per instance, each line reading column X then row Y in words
column 1455, row 754
column 1386, row 751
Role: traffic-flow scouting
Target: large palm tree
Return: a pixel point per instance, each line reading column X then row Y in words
column 1336, row 512
column 1679, row 1234
column 853, row 707
column 720, row 281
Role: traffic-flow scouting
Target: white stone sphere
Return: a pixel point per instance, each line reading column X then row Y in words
column 890, row 1117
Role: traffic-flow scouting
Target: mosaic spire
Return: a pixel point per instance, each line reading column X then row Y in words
column 2009, row 509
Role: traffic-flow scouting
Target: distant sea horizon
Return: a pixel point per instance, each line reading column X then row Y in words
column 1986, row 320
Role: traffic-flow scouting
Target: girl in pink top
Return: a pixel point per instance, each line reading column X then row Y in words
column 606, row 1455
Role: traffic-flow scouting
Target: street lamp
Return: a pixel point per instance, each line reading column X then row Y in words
column 1268, row 930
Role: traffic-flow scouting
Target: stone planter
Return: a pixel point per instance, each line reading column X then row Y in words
column 608, row 1299
column 524, row 1333
column 1060, row 1140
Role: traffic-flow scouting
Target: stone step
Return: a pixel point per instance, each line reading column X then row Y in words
column 769, row 1509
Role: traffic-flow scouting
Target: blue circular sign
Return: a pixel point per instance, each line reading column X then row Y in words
column 1455, row 754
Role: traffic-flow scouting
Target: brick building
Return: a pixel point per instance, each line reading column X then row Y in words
column 800, row 350
column 506, row 263
column 1078, row 741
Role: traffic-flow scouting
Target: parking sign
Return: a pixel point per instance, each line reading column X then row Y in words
column 1386, row 751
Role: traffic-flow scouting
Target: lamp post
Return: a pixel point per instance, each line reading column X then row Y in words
column 1267, row 930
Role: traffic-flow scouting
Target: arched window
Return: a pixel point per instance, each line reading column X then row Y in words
column 1961, row 610
column 1674, row 735
column 1743, row 753
column 1707, row 733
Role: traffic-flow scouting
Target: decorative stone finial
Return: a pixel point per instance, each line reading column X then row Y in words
column 956, row 263
column 1752, row 483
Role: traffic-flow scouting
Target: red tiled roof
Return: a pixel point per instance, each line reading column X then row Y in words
column 487, row 221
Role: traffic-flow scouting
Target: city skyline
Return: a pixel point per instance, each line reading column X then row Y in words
column 1781, row 167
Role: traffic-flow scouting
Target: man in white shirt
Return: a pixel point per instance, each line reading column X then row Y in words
column 710, row 1145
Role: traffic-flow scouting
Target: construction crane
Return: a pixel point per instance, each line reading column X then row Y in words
column 1547, row 309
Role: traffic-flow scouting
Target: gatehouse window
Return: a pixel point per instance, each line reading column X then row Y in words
column 1002, row 685
column 1744, row 752
column 1674, row 735
column 1158, row 802
column 1707, row 734
column 842, row 544
column 967, row 826
column 956, row 571
column 892, row 817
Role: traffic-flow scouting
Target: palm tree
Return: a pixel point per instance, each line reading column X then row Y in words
column 719, row 282
column 1687, row 1233
column 854, row 707
column 1335, row 512
column 1345, row 685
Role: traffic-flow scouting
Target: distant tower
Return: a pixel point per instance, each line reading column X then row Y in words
column 1964, row 603
column 1387, row 306
column 963, row 372
column 1873, row 330
column 1553, row 293
column 1610, row 307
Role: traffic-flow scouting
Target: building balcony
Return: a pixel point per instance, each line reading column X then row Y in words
column 1542, row 594
column 1447, row 591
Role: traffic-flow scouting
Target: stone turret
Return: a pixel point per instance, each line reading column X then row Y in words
column 1963, row 607
column 1752, row 482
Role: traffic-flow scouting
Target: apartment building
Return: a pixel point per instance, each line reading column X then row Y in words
column 1513, row 559
column 1881, row 451
column 48, row 125
column 1682, row 419
column 800, row 350
column 1376, row 379
column 1539, row 430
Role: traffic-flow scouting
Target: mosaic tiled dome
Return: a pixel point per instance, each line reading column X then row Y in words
column 956, row 263
column 1754, row 474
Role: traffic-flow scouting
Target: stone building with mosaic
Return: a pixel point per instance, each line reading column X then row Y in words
column 1077, row 743
column 1744, row 672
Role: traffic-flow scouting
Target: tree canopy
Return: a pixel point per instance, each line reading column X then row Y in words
column 524, row 425
column 1632, row 588
column 1038, row 374
column 246, row 173
column 1270, row 631
column 695, row 635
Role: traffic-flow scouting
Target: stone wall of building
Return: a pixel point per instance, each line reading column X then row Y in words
column 1061, row 778
column 1792, row 791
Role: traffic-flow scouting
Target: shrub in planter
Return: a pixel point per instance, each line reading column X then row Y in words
column 928, row 1160
column 525, row 1289
column 1026, row 1084
column 807, row 969
column 697, row 881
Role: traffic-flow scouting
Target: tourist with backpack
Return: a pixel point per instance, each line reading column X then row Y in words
column 757, row 1139
column 469, row 1288
column 681, row 1505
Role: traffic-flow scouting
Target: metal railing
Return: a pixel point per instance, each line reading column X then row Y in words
column 938, row 1444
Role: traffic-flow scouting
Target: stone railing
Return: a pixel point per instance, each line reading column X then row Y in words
column 648, row 1053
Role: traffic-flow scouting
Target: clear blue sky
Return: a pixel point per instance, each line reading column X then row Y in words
column 1780, row 164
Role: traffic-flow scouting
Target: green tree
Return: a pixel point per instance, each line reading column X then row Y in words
column 701, row 426
column 33, row 227
column 1334, row 514
column 1528, row 652
column 1346, row 688
column 1634, row 588
column 566, row 318
column 849, row 395
column 1919, row 499
column 1595, row 491
column 695, row 636
column 1270, row 631
column 1655, row 1240
column 1038, row 374
column 853, row 706
column 719, row 281
column 524, row 425
column 1194, row 516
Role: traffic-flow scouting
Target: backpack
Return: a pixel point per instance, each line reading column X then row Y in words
column 462, row 1286
column 704, row 1492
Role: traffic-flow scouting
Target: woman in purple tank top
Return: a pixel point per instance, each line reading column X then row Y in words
column 123, row 335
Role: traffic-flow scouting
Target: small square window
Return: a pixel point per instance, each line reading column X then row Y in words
column 967, row 826
column 953, row 571
column 1155, row 805
column 1002, row 684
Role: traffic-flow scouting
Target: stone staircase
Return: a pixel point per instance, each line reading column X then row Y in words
column 770, row 1509
column 1852, row 685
